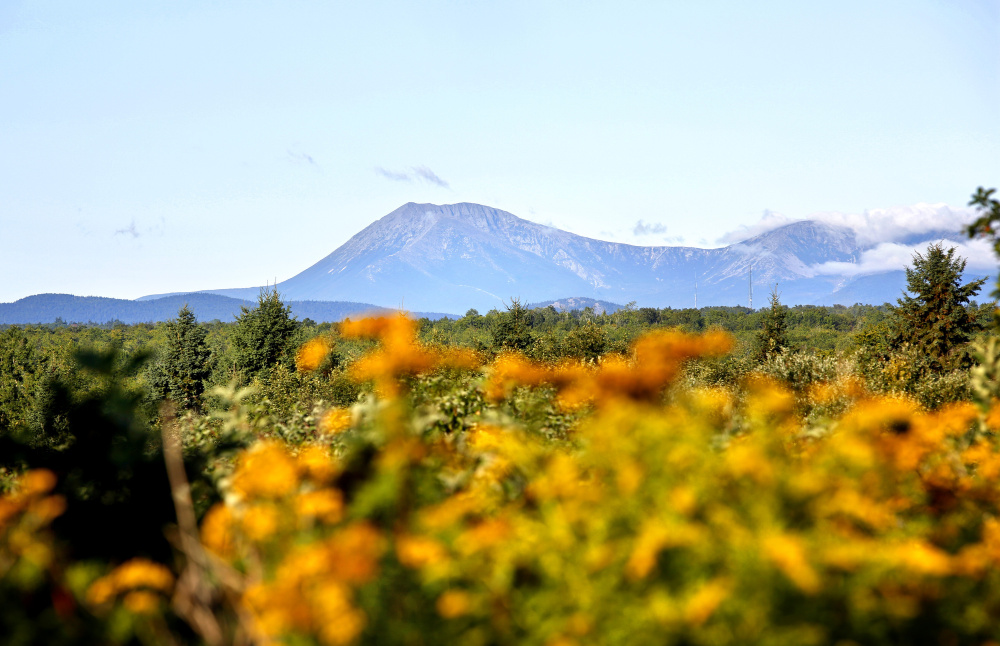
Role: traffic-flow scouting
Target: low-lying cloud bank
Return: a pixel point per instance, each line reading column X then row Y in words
column 893, row 256
column 873, row 227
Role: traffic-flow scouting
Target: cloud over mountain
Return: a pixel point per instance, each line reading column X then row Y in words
column 417, row 172
column 873, row 226
column 893, row 256
column 644, row 229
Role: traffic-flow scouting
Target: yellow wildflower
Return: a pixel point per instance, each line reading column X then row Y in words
column 326, row 505
column 335, row 420
column 705, row 600
column 993, row 417
column 260, row 522
column 316, row 464
column 922, row 558
column 454, row 603
column 789, row 555
column 339, row 621
column 355, row 550
column 311, row 354
column 137, row 574
column 419, row 551
column 265, row 470
column 483, row 536
column 217, row 532
column 36, row 482
column 141, row 602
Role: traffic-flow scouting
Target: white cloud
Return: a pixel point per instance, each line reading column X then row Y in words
column 644, row 229
column 873, row 226
column 892, row 256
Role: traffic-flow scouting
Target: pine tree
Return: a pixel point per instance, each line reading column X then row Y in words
column 263, row 335
column 512, row 330
column 188, row 361
column 773, row 337
column 934, row 316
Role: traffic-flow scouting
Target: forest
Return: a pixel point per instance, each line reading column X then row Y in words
column 791, row 475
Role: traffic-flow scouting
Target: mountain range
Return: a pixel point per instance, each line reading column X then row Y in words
column 449, row 258
column 48, row 308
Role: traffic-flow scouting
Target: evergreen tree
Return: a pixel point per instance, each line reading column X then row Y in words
column 512, row 330
column 20, row 378
column 934, row 316
column 188, row 361
column 263, row 335
column 588, row 341
column 773, row 337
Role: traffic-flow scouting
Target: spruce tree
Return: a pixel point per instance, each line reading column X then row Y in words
column 773, row 337
column 188, row 361
column 263, row 335
column 934, row 316
column 512, row 330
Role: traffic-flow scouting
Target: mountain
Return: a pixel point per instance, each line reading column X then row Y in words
column 46, row 308
column 578, row 303
column 450, row 258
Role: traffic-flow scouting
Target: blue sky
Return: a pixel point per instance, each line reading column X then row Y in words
column 166, row 146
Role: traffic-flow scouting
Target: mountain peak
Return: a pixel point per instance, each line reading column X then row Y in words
column 450, row 257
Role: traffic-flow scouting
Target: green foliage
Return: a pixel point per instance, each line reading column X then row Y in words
column 935, row 317
column 512, row 329
column 773, row 337
column 20, row 379
column 263, row 336
column 188, row 360
column 987, row 225
column 107, row 461
column 589, row 341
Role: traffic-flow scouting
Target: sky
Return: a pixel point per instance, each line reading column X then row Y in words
column 150, row 147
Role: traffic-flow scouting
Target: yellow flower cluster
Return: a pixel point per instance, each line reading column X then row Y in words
column 335, row 420
column 25, row 515
column 400, row 354
column 140, row 583
column 655, row 363
column 311, row 354
column 711, row 517
column 311, row 591
column 272, row 492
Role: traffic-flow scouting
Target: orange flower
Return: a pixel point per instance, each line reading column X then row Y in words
column 335, row 420
column 454, row 603
column 266, row 471
column 137, row 574
column 311, row 354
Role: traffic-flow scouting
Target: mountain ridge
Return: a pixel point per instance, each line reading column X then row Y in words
column 47, row 308
column 450, row 258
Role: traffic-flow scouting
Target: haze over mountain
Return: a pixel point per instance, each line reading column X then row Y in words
column 450, row 258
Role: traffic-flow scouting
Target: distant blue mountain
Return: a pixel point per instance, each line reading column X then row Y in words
column 578, row 303
column 46, row 308
column 449, row 258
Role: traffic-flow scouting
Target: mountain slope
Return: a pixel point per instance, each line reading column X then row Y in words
column 453, row 257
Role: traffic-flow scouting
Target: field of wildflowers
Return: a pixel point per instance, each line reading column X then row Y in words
column 517, row 501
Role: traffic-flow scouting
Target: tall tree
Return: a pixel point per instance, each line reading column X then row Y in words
column 512, row 330
column 773, row 336
column 263, row 335
column 934, row 316
column 188, row 362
